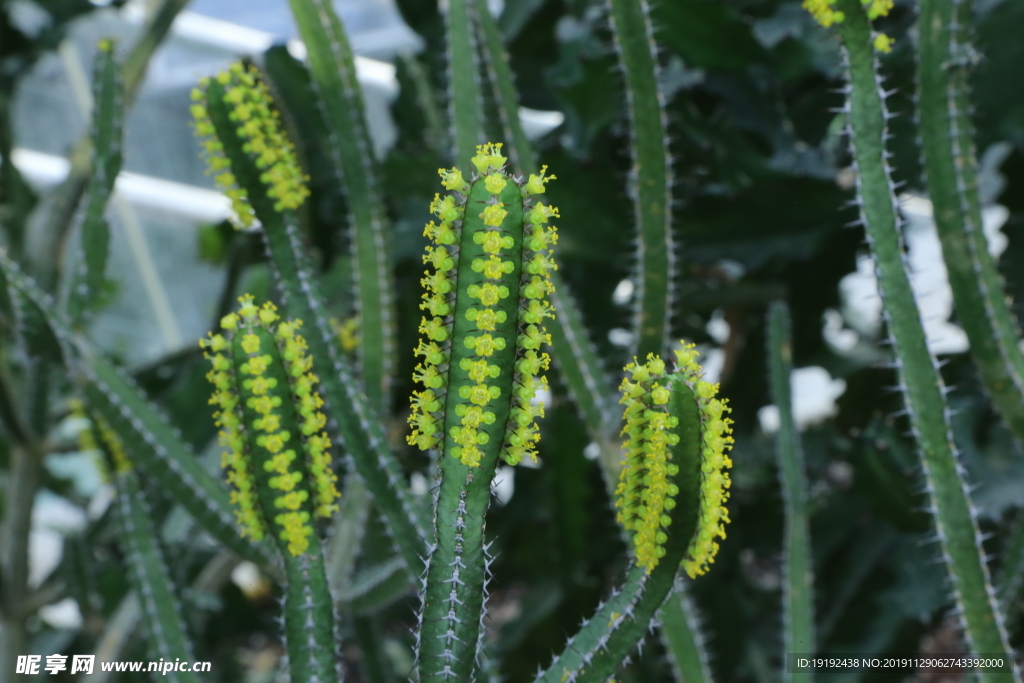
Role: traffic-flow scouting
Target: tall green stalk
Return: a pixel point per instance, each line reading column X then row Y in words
column 945, row 61
column 481, row 358
column 279, row 464
column 922, row 386
column 650, row 175
column 356, row 424
column 577, row 360
column 350, row 150
column 798, row 587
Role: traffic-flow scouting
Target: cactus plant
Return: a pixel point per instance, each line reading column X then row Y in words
column 424, row 372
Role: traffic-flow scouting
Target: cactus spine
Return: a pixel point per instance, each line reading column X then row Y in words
column 481, row 358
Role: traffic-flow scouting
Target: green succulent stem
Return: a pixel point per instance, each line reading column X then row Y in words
column 945, row 60
column 279, row 464
column 1010, row 581
column 578, row 362
column 798, row 592
column 682, row 634
column 350, row 150
column 572, row 348
column 166, row 633
column 955, row 515
column 86, row 286
column 60, row 218
column 464, row 102
column 161, row 609
column 144, row 428
column 650, row 177
column 309, row 627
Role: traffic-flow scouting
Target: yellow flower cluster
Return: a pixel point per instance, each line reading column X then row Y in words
column 535, row 285
column 645, row 492
column 259, row 127
column 824, row 13
column 489, row 293
column 488, row 311
column 266, row 341
column 217, row 349
column 439, row 286
column 112, row 443
column 717, row 440
column 348, row 333
column 217, row 163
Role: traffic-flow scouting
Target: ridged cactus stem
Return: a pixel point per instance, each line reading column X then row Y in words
column 922, row 386
column 573, row 350
column 465, row 107
column 60, row 218
column 683, row 635
column 798, row 586
column 577, row 360
column 145, row 429
column 650, row 176
column 85, row 287
column 1010, row 580
column 486, row 302
column 165, row 627
column 279, row 464
column 945, row 59
column 350, row 151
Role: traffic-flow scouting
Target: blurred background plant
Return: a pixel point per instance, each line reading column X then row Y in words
column 761, row 170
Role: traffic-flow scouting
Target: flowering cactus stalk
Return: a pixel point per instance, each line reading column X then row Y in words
column 279, row 464
column 252, row 158
column 648, row 490
column 481, row 359
column 670, row 498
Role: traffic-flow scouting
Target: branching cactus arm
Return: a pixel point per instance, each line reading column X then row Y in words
column 671, row 499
